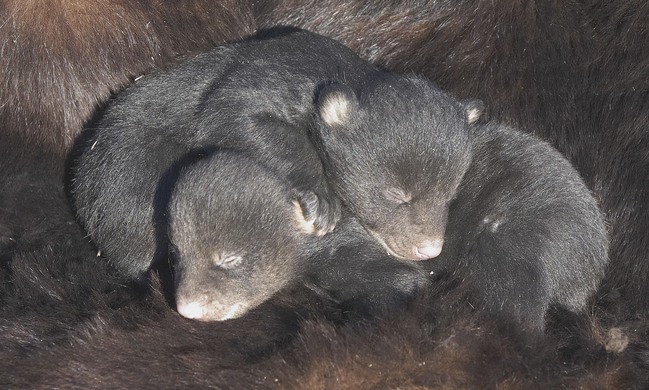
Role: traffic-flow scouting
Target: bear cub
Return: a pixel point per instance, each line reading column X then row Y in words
column 521, row 226
column 255, row 98
column 232, row 223
column 525, row 227
column 395, row 151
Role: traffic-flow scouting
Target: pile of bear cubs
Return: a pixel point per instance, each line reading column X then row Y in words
column 254, row 166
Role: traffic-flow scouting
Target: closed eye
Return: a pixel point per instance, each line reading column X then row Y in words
column 227, row 261
column 396, row 195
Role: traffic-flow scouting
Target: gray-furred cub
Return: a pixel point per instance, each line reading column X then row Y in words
column 525, row 227
column 143, row 163
column 522, row 226
column 395, row 149
column 236, row 236
column 257, row 97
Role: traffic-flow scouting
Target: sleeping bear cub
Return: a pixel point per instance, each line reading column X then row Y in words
column 522, row 226
column 151, row 174
column 236, row 236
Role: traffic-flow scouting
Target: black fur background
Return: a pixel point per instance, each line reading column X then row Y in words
column 575, row 73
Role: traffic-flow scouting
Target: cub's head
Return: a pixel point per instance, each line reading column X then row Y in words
column 237, row 237
column 396, row 151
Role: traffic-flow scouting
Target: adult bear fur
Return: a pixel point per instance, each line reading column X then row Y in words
column 440, row 343
column 565, row 70
column 62, row 59
column 573, row 73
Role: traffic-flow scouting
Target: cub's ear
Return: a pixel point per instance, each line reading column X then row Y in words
column 336, row 104
column 474, row 110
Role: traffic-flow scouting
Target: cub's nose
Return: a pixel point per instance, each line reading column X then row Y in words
column 192, row 310
column 205, row 309
column 428, row 249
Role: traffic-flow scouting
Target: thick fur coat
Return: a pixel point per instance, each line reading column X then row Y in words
column 574, row 73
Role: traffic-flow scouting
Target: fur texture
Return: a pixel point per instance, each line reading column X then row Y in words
column 63, row 59
column 214, row 101
column 217, row 100
column 521, row 223
column 524, row 228
column 161, row 155
column 573, row 72
column 396, row 157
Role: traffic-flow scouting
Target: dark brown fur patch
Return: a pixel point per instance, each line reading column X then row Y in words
column 62, row 59
column 573, row 72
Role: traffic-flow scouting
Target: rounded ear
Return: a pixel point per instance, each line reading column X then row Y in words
column 474, row 110
column 336, row 104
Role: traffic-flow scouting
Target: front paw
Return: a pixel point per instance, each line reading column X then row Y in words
column 319, row 214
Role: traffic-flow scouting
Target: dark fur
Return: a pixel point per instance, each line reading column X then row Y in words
column 572, row 72
column 524, row 228
column 224, row 103
column 354, row 271
column 522, row 224
column 398, row 172
column 235, row 234
column 63, row 59
column 158, row 156
column 227, row 207
column 440, row 342
column 137, row 148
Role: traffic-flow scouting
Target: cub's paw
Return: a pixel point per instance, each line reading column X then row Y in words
column 318, row 215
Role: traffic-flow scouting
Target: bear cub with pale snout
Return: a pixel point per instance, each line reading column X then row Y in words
column 138, row 160
column 507, row 212
column 236, row 236
column 395, row 151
